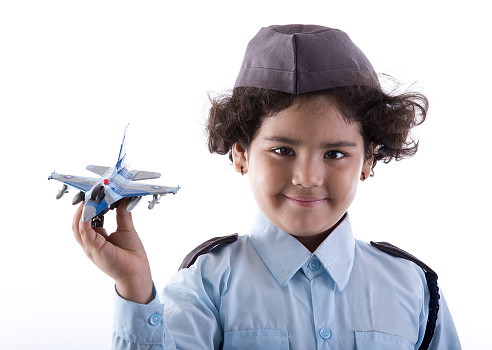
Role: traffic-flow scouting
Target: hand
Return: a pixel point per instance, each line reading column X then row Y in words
column 120, row 255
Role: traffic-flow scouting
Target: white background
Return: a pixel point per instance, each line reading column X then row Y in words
column 74, row 73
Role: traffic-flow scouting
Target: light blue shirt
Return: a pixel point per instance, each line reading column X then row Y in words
column 267, row 291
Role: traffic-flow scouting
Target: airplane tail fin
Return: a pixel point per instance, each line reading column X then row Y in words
column 122, row 156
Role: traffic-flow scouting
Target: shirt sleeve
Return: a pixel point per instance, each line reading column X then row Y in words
column 138, row 326
column 187, row 319
column 445, row 335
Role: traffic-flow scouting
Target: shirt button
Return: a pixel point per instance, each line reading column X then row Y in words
column 324, row 333
column 155, row 319
column 314, row 265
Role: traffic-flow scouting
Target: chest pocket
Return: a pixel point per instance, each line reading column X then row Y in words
column 268, row 339
column 381, row 341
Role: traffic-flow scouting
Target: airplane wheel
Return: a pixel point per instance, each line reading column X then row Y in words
column 98, row 222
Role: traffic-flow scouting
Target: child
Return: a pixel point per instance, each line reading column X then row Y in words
column 307, row 121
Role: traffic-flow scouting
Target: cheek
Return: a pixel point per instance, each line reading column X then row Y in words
column 344, row 183
column 266, row 177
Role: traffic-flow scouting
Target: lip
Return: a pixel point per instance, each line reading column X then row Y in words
column 307, row 202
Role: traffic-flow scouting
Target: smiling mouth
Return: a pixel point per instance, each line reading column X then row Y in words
column 306, row 202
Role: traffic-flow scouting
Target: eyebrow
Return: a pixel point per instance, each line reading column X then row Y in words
column 294, row 142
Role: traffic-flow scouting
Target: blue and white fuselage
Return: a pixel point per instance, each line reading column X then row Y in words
column 106, row 186
column 101, row 194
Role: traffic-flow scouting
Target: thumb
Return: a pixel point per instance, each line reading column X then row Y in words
column 124, row 219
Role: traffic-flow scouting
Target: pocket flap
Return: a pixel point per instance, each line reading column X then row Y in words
column 274, row 339
column 381, row 341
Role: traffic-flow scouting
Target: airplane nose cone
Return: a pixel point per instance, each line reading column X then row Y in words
column 88, row 213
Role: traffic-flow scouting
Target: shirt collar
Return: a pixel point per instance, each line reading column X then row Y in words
column 284, row 255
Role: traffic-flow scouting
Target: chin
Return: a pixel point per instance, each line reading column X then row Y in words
column 306, row 226
column 307, row 229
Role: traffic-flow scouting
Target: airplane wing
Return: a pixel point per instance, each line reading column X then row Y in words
column 80, row 182
column 136, row 189
column 146, row 175
column 97, row 169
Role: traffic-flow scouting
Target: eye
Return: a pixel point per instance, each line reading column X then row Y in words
column 284, row 151
column 334, row 155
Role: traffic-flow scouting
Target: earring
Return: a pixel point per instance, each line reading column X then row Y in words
column 363, row 176
column 242, row 171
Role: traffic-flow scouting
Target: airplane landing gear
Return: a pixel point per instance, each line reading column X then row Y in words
column 97, row 221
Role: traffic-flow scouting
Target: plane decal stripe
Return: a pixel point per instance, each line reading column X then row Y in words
column 126, row 173
column 117, row 186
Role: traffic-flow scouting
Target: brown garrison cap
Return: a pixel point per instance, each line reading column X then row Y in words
column 299, row 58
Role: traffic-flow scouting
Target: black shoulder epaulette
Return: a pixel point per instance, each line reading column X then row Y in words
column 431, row 278
column 204, row 248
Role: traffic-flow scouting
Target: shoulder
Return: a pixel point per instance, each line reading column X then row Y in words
column 382, row 260
column 397, row 281
column 387, row 252
column 216, row 250
column 432, row 289
column 389, row 265
column 210, row 262
column 206, row 247
column 392, row 250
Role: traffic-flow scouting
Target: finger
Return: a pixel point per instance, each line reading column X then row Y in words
column 75, row 223
column 101, row 231
column 87, row 233
column 124, row 219
column 92, row 241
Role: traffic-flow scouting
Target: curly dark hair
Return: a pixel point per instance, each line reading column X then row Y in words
column 386, row 118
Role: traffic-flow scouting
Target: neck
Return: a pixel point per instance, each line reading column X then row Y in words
column 313, row 242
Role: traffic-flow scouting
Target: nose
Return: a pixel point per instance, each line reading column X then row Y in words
column 308, row 173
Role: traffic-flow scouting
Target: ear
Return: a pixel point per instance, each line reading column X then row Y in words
column 367, row 164
column 239, row 158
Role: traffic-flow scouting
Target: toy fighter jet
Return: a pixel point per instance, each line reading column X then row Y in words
column 102, row 194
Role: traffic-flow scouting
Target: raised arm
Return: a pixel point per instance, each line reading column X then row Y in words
column 121, row 255
column 141, row 321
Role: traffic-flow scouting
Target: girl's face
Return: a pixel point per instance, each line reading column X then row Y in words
column 304, row 165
